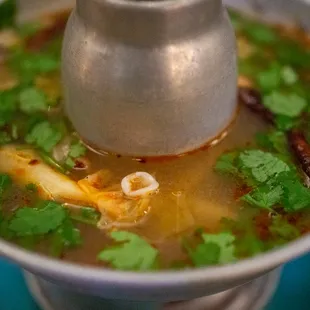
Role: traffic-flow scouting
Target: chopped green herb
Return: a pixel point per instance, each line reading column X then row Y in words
column 38, row 220
column 226, row 163
column 32, row 100
column 29, row 29
column 290, row 105
column 28, row 65
column 66, row 236
column 289, row 75
column 204, row 254
column 261, row 165
column 70, row 163
column 8, row 11
column 295, row 195
column 215, row 249
column 285, row 123
column 77, row 149
column 270, row 79
column 85, row 215
column 5, row 138
column 248, row 245
column 225, row 241
column 8, row 106
column 5, row 183
column 133, row 252
column 45, row 136
column 273, row 141
column 260, row 34
column 280, row 228
column 293, row 54
column 264, row 196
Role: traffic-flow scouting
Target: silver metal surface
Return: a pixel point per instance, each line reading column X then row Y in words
column 149, row 78
column 172, row 285
column 251, row 296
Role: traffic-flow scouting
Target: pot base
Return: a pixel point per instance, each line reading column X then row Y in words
column 251, row 296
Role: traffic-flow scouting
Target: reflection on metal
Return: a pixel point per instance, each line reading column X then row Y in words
column 251, row 296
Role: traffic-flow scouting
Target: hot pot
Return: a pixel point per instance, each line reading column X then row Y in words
column 151, row 290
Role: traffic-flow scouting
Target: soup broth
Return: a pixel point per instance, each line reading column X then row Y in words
column 243, row 196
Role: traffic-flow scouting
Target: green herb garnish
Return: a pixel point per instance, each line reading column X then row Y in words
column 45, row 136
column 133, row 252
column 39, row 220
column 8, row 11
column 290, row 105
column 32, row 100
column 215, row 249
column 66, row 236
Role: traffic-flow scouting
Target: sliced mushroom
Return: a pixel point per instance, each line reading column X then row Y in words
column 139, row 184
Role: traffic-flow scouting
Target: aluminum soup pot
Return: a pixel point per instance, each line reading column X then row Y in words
column 172, row 285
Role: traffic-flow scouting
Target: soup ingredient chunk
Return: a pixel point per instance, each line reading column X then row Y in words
column 139, row 184
column 25, row 166
column 117, row 209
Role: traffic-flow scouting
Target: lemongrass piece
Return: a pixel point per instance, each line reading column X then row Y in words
column 139, row 184
column 25, row 166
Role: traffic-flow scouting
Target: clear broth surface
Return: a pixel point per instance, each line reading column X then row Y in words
column 191, row 196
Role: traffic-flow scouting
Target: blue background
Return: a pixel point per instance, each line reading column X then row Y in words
column 293, row 292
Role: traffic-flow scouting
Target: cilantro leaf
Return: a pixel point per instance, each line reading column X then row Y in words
column 295, row 195
column 225, row 241
column 226, row 163
column 261, row 165
column 280, row 228
column 134, row 253
column 269, row 79
column 8, row 11
column 8, row 106
column 5, row 138
column 292, row 53
column 44, row 135
column 291, row 105
column 259, row 33
column 28, row 65
column 39, row 220
column 273, row 141
column 264, row 196
column 249, row 245
column 66, row 236
column 289, row 75
column 285, row 123
column 87, row 215
column 5, row 183
column 204, row 254
column 77, row 149
column 32, row 100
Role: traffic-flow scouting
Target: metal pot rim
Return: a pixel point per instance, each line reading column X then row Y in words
column 158, row 5
column 42, row 264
